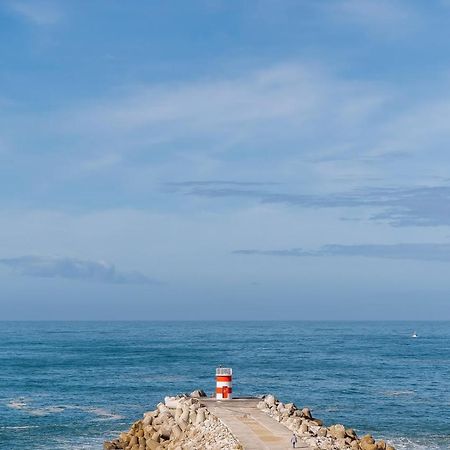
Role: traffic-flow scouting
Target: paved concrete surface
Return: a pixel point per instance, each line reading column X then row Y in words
column 254, row 429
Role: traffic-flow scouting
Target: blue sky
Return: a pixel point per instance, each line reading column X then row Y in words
column 225, row 159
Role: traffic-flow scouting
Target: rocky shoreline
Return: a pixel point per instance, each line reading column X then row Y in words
column 313, row 432
column 185, row 423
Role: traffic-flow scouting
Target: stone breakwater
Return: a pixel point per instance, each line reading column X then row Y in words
column 312, row 431
column 177, row 424
column 185, row 423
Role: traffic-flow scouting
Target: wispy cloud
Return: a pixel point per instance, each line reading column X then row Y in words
column 409, row 206
column 385, row 17
column 262, row 106
column 283, row 119
column 219, row 183
column 75, row 269
column 411, row 251
column 38, row 12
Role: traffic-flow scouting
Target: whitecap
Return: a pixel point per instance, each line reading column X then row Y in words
column 17, row 404
column 22, row 405
column 45, row 411
column 102, row 413
column 404, row 443
column 398, row 393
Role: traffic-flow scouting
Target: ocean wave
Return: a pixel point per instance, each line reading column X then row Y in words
column 22, row 427
column 22, row 405
column 429, row 443
column 332, row 409
column 25, row 406
column 398, row 393
column 102, row 413
column 17, row 404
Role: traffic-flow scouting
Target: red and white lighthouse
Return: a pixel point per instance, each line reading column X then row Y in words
column 224, row 389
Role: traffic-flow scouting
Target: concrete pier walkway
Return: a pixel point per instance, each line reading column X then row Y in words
column 254, row 429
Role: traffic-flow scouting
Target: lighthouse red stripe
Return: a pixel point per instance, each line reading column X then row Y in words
column 220, row 390
column 223, row 378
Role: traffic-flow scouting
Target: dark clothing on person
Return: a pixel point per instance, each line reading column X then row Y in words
column 293, row 440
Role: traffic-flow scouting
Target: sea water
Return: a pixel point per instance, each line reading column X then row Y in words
column 71, row 385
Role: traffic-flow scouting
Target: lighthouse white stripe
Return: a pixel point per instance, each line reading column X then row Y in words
column 223, row 383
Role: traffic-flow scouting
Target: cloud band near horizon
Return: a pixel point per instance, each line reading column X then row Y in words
column 407, row 251
column 74, row 269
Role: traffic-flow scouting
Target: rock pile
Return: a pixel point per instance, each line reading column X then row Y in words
column 178, row 423
column 313, row 432
column 184, row 423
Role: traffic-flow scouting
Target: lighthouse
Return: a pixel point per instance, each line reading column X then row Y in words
column 224, row 377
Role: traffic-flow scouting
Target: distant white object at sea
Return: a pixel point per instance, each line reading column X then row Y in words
column 414, row 335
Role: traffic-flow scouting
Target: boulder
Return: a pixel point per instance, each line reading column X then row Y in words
column 367, row 446
column 162, row 408
column 165, row 432
column 200, row 416
column 306, row 412
column 147, row 420
column 290, row 408
column 155, row 436
column 125, row 438
column 182, row 424
column 368, row 439
column 192, row 416
column 350, row 432
column 185, row 414
column 176, row 432
column 198, row 393
column 303, row 428
column 337, row 431
column 111, row 445
column 171, row 402
column 151, row 445
column 270, row 400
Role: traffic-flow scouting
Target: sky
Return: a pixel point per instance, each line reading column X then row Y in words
column 222, row 159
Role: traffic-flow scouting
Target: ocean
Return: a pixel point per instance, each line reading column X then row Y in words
column 71, row 385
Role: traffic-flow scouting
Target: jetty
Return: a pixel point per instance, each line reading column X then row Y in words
column 196, row 422
column 254, row 429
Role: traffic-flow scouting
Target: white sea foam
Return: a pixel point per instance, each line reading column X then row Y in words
column 102, row 413
column 45, row 411
column 398, row 393
column 409, row 444
column 332, row 409
column 23, row 427
column 22, row 405
column 17, row 404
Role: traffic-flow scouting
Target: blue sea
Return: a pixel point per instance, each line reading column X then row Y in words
column 71, row 385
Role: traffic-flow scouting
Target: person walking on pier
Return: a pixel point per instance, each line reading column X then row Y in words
column 294, row 440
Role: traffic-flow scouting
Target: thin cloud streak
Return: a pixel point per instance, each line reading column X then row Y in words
column 406, row 251
column 41, row 13
column 409, row 206
column 73, row 269
column 290, row 101
column 220, row 183
column 385, row 17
